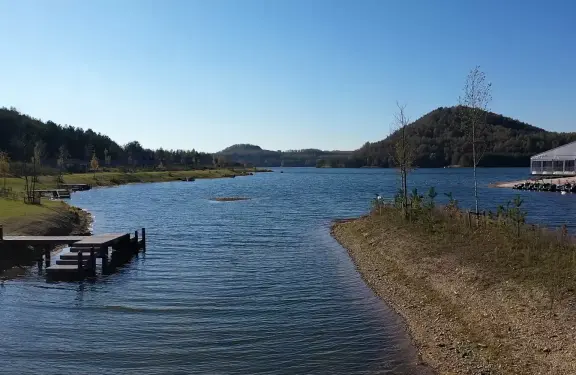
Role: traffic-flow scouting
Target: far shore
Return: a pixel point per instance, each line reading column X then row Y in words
column 550, row 180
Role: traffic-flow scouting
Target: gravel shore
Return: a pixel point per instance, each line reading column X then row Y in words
column 461, row 320
column 559, row 180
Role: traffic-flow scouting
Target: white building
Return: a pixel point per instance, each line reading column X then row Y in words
column 558, row 161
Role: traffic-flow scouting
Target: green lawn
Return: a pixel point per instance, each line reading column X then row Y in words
column 119, row 178
column 12, row 208
column 19, row 218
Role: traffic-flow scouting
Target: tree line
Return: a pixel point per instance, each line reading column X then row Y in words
column 23, row 137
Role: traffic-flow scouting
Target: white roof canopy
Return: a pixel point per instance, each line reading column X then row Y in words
column 568, row 151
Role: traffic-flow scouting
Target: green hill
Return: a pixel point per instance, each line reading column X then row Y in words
column 242, row 148
column 255, row 155
column 440, row 140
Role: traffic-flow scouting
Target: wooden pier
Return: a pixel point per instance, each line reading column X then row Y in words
column 53, row 193
column 75, row 187
column 80, row 261
column 63, row 191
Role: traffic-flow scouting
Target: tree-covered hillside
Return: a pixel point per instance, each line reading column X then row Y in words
column 20, row 134
column 440, row 140
column 241, row 148
column 255, row 155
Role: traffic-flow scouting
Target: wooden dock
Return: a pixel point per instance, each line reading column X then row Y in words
column 75, row 187
column 113, row 249
column 53, row 193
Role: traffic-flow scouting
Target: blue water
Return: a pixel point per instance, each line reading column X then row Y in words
column 247, row 287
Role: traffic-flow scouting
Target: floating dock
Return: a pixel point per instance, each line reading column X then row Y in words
column 114, row 249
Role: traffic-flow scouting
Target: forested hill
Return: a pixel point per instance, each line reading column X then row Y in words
column 440, row 140
column 241, row 148
column 20, row 134
column 255, row 155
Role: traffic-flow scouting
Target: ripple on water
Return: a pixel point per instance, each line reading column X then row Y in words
column 256, row 286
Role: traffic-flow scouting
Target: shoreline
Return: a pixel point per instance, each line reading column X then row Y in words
column 460, row 320
column 60, row 218
column 67, row 220
column 105, row 179
column 365, row 271
column 549, row 180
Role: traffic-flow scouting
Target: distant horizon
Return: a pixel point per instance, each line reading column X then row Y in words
column 287, row 74
column 249, row 142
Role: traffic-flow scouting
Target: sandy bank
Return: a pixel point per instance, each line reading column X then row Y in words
column 462, row 320
column 559, row 180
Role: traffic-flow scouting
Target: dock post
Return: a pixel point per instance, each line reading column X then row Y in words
column 144, row 240
column 47, row 256
column 40, row 260
column 92, row 262
column 137, row 245
column 104, row 256
column 80, row 260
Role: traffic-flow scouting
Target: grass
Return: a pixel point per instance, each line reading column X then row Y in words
column 120, row 178
column 503, row 250
column 13, row 208
column 43, row 219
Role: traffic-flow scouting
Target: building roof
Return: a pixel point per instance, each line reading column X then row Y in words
column 567, row 151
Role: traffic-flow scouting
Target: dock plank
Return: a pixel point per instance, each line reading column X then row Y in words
column 48, row 240
column 62, row 268
column 78, row 241
column 101, row 240
column 72, row 256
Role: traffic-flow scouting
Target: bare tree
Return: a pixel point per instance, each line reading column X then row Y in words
column 473, row 110
column 37, row 156
column 62, row 157
column 21, row 144
column 403, row 153
column 94, row 164
column 4, row 166
column 107, row 157
column 130, row 159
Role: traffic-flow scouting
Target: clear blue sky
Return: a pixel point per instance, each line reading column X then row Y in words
column 282, row 74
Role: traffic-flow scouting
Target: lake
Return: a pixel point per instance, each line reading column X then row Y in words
column 247, row 287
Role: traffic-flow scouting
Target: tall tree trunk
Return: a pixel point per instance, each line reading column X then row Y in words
column 33, row 188
column 475, row 163
column 405, row 191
